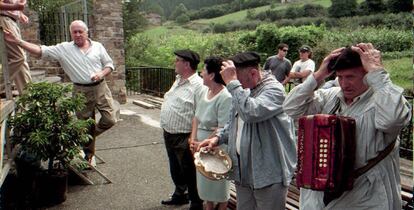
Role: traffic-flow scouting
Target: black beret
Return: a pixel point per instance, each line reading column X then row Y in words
column 246, row 59
column 348, row 59
column 188, row 55
column 305, row 48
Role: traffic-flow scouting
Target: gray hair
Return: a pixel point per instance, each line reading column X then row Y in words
column 81, row 23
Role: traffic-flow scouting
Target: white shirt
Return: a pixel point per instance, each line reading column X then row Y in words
column 380, row 113
column 180, row 103
column 79, row 66
column 300, row 66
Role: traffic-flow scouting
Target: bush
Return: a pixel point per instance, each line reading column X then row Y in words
column 182, row 19
column 313, row 10
column 343, row 8
column 399, row 5
column 269, row 36
column 142, row 51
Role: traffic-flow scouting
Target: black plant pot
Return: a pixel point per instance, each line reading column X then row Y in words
column 50, row 187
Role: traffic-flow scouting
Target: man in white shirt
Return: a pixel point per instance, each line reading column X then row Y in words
column 86, row 62
column 380, row 110
column 304, row 67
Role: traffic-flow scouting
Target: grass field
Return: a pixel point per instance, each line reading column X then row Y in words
column 159, row 31
column 240, row 15
column 401, row 72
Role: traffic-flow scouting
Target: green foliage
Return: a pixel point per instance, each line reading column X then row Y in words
column 343, row 8
column 292, row 12
column 386, row 40
column 372, row 7
column 179, row 10
column 399, row 5
column 47, row 5
column 133, row 21
column 269, row 36
column 401, row 73
column 142, row 51
column 182, row 19
column 47, row 127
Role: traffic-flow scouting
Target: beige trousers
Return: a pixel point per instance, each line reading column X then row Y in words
column 18, row 67
column 97, row 97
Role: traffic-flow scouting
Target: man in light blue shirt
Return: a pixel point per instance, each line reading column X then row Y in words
column 86, row 62
column 260, row 136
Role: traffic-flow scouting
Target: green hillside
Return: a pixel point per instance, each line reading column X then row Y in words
column 240, row 15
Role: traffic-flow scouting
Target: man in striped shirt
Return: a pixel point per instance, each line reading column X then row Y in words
column 177, row 113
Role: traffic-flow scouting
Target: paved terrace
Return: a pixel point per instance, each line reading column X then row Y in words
column 136, row 162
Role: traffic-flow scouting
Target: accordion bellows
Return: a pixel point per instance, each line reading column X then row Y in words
column 326, row 152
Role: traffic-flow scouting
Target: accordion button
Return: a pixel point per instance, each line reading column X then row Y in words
column 325, row 160
column 320, row 165
column 325, row 155
column 321, row 151
column 325, row 165
column 325, row 150
column 326, row 140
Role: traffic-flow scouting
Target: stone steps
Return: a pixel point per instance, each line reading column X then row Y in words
column 40, row 76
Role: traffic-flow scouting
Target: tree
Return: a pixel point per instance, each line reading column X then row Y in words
column 343, row 8
column 372, row 7
column 47, row 5
column 396, row 6
column 179, row 10
column 182, row 19
column 133, row 20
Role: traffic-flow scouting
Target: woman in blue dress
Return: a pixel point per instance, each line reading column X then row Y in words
column 211, row 113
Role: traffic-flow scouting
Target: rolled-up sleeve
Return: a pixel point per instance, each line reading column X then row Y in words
column 51, row 52
column 302, row 100
column 106, row 60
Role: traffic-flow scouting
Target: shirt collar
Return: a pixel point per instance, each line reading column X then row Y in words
column 364, row 95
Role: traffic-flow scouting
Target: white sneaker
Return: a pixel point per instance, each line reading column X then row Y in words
column 93, row 161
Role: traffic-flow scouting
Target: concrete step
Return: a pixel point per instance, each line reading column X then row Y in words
column 143, row 104
column 38, row 75
column 54, row 79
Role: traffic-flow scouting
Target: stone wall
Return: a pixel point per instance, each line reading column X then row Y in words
column 106, row 27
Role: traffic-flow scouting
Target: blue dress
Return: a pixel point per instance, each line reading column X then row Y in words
column 212, row 113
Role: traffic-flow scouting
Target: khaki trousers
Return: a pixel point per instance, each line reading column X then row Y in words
column 16, row 56
column 97, row 97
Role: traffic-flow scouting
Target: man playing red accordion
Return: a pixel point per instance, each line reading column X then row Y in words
column 366, row 94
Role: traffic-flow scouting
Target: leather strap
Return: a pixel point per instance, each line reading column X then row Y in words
column 372, row 162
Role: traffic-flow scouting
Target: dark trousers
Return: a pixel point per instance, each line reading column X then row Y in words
column 182, row 167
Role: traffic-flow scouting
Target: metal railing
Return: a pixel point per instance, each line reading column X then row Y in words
column 150, row 80
column 157, row 81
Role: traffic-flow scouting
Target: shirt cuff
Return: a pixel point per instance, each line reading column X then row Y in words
column 44, row 51
column 110, row 65
column 233, row 85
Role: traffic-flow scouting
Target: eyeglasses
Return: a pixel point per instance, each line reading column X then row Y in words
column 284, row 50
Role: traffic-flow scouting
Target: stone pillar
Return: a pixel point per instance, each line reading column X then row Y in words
column 107, row 28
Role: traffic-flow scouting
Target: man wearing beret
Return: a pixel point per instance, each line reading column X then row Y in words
column 380, row 110
column 304, row 66
column 260, row 136
column 177, row 113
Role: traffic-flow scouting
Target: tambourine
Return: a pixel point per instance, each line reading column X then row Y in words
column 214, row 164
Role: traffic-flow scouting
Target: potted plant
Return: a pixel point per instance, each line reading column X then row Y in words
column 46, row 129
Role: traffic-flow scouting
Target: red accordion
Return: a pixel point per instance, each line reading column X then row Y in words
column 326, row 152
